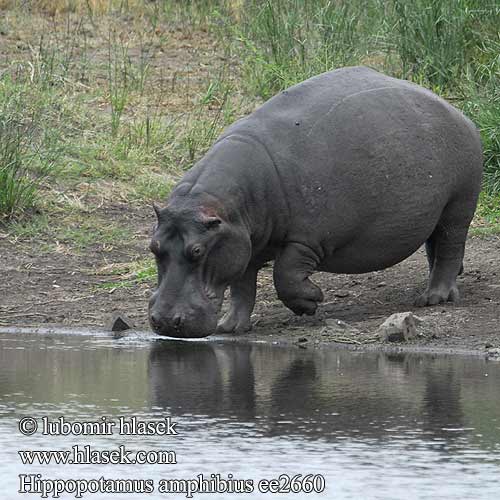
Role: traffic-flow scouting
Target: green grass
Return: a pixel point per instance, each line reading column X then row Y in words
column 284, row 42
column 489, row 207
column 435, row 39
column 27, row 149
column 30, row 229
column 483, row 107
column 90, row 231
column 89, row 93
column 72, row 229
column 489, row 230
column 128, row 274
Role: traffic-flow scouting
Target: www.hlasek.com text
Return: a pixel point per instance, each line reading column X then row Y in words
column 88, row 455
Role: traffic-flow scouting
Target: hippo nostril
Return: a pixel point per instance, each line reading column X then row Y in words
column 177, row 320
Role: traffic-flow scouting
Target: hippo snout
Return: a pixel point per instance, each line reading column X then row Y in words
column 182, row 322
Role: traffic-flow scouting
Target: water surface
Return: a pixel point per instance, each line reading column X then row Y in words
column 375, row 426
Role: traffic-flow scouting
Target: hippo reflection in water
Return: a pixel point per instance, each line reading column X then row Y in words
column 317, row 395
column 348, row 172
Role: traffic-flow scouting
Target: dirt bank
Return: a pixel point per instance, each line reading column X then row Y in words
column 57, row 287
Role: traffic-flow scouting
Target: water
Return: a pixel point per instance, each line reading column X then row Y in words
column 374, row 426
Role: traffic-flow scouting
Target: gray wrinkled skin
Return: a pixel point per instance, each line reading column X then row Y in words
column 348, row 172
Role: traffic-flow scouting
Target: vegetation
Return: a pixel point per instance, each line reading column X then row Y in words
column 27, row 148
column 453, row 48
column 96, row 104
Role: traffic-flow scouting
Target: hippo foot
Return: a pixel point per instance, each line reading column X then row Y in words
column 306, row 302
column 234, row 323
column 301, row 306
column 438, row 296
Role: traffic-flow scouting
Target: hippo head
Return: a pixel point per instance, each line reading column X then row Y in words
column 199, row 251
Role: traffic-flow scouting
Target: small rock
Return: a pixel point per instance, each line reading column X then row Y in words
column 488, row 345
column 341, row 294
column 381, row 284
column 119, row 323
column 399, row 327
column 302, row 339
column 494, row 352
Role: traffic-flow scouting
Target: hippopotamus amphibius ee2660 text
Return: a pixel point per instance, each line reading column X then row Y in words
column 348, row 172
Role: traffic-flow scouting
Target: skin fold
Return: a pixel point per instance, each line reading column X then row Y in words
column 348, row 172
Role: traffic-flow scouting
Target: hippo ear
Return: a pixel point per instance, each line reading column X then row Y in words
column 211, row 222
column 157, row 209
column 209, row 217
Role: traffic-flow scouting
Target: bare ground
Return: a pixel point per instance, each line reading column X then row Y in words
column 41, row 288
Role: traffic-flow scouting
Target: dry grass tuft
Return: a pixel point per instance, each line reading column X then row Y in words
column 54, row 7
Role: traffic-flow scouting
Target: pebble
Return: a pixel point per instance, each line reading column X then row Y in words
column 399, row 327
column 119, row 323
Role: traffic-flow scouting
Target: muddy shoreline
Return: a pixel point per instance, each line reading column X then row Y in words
column 133, row 334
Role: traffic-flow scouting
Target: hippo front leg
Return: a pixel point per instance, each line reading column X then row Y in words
column 292, row 269
column 237, row 319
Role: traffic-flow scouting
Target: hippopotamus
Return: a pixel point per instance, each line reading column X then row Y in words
column 350, row 171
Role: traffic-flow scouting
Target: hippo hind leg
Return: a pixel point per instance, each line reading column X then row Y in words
column 445, row 252
column 430, row 251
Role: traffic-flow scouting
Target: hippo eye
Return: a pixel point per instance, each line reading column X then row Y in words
column 196, row 252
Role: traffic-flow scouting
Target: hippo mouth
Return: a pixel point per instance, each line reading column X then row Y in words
column 202, row 324
column 185, row 333
column 189, row 330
